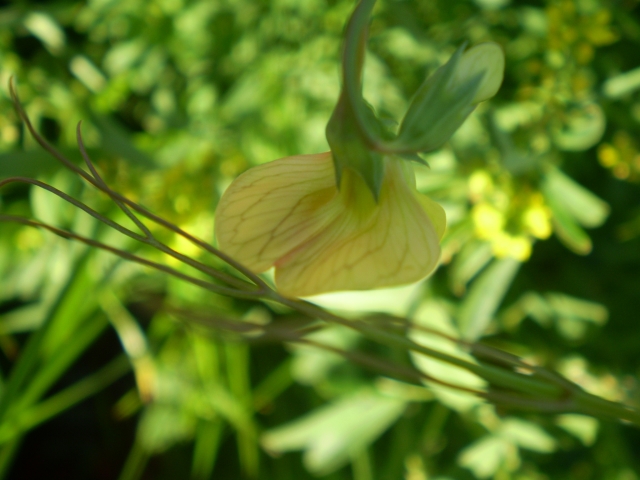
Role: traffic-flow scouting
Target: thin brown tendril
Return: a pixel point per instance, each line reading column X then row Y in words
column 105, row 188
column 297, row 336
column 481, row 351
column 114, row 195
column 134, row 258
column 129, row 233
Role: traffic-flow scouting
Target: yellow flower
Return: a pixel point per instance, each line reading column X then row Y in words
column 488, row 220
column 289, row 214
column 536, row 220
column 514, row 246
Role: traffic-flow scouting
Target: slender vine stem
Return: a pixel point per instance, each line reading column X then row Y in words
column 298, row 336
column 134, row 258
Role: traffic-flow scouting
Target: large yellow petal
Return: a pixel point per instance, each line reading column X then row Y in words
column 435, row 213
column 390, row 243
column 271, row 209
column 288, row 213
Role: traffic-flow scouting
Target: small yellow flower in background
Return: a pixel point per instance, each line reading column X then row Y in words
column 621, row 156
column 480, row 185
column 488, row 221
column 514, row 246
column 289, row 214
column 536, row 219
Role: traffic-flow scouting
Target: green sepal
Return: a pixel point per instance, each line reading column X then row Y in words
column 412, row 157
column 359, row 140
column 350, row 149
column 437, row 109
column 353, row 128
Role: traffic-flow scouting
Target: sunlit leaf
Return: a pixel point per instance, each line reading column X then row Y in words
column 567, row 228
column 582, row 427
column 622, row 84
column 483, row 299
column 161, row 426
column 580, row 128
column 485, row 456
column 528, row 435
column 434, row 316
column 331, row 435
column 588, row 209
column 472, row 258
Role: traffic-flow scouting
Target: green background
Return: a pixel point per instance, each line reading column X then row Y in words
column 178, row 97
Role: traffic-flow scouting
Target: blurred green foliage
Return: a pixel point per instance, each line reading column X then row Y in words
column 177, row 97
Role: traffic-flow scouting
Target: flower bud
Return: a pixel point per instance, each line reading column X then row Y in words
column 485, row 60
column 446, row 99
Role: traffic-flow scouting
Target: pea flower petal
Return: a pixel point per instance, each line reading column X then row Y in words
column 289, row 214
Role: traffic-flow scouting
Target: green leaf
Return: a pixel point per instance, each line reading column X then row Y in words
column 582, row 427
column 582, row 204
column 474, row 256
column 566, row 228
column 331, row 435
column 47, row 30
column 116, row 140
column 485, row 295
column 26, row 164
column 530, row 304
column 579, row 128
column 528, row 435
column 573, row 314
column 434, row 315
column 23, row 319
column 50, row 208
column 622, row 84
column 437, row 110
column 161, row 426
column 485, row 456
column 567, row 306
column 514, row 160
column 31, row 416
column 570, row 314
column 311, row 365
column 206, row 445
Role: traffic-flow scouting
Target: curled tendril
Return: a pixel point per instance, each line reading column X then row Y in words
column 128, row 205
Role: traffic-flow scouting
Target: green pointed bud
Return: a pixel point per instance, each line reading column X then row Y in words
column 446, row 99
column 486, row 60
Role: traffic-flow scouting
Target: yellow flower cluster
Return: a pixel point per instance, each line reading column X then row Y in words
column 558, row 76
column 510, row 227
column 621, row 156
column 577, row 30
